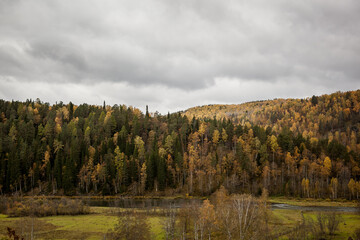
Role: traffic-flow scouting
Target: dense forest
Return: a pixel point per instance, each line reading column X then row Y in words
column 294, row 147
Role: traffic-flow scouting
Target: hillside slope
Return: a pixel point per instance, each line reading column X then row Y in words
column 327, row 116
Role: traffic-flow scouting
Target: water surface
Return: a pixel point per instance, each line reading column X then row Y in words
column 179, row 202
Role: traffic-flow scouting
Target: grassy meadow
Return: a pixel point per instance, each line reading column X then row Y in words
column 306, row 202
column 101, row 220
column 95, row 225
column 283, row 220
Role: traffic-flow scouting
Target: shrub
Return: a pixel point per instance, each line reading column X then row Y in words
column 131, row 226
column 327, row 223
column 44, row 207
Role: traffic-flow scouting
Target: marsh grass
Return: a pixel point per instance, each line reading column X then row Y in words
column 102, row 219
column 41, row 207
column 283, row 221
column 309, row 202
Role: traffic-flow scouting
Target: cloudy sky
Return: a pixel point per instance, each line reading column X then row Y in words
column 172, row 55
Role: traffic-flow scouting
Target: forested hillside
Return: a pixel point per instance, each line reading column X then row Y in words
column 313, row 117
column 296, row 147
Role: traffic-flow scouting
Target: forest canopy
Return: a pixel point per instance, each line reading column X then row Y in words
column 296, row 147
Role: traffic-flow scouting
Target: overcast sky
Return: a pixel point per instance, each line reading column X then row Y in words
column 172, row 55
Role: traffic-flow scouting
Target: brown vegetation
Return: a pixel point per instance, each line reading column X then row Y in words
column 42, row 207
column 131, row 226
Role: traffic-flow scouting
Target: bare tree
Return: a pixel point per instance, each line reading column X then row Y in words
column 169, row 223
column 226, row 220
column 183, row 222
column 333, row 222
column 131, row 226
column 247, row 213
column 327, row 223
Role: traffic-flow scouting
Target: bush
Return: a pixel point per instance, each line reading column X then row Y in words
column 130, row 226
column 333, row 222
column 327, row 223
column 43, row 207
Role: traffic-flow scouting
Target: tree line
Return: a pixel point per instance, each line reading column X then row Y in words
column 305, row 148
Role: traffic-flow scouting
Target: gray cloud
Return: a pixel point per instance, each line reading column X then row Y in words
column 182, row 46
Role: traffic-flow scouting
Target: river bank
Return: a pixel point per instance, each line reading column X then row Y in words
column 310, row 202
column 272, row 199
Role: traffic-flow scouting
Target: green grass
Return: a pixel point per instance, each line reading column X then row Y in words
column 83, row 223
column 92, row 226
column 282, row 220
column 103, row 219
column 350, row 222
column 314, row 202
column 156, row 227
column 285, row 217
